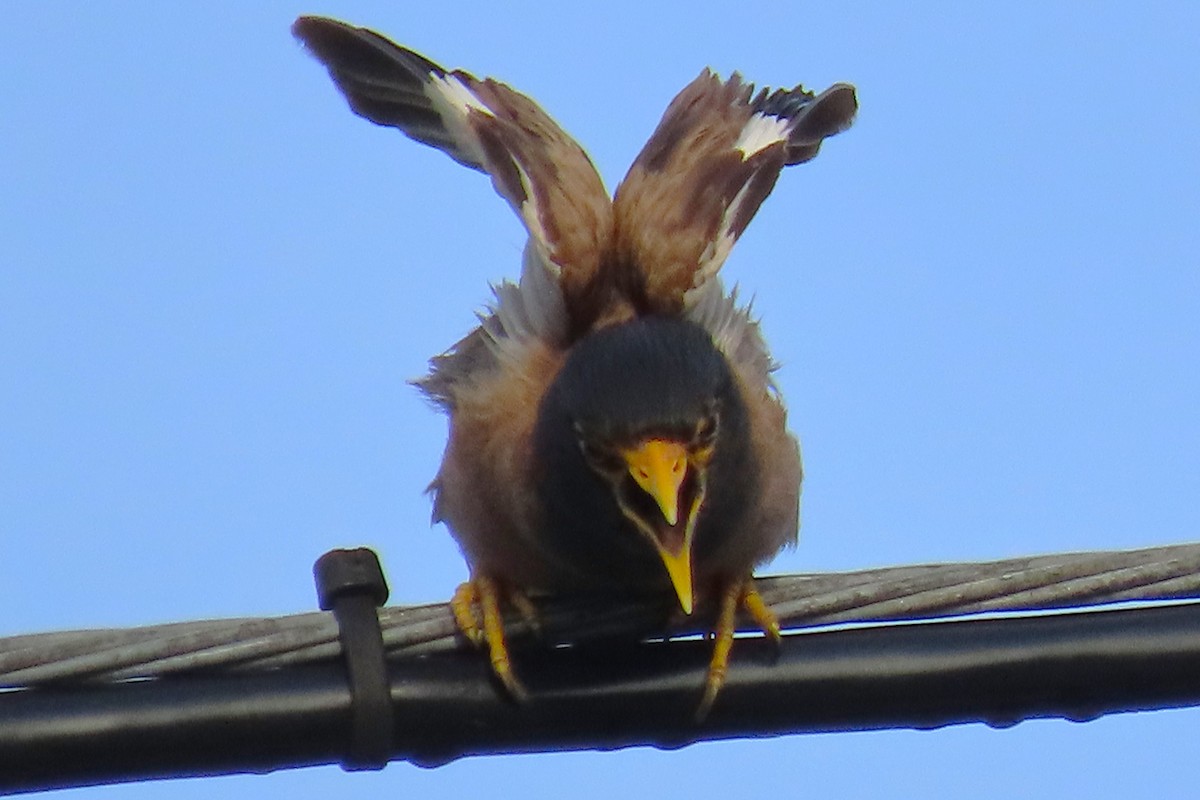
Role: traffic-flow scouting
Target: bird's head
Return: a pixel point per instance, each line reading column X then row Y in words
column 659, row 481
column 649, row 406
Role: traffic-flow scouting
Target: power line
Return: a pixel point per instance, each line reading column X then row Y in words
column 257, row 695
column 880, row 595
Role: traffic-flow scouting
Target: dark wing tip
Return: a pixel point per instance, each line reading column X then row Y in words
column 338, row 44
column 382, row 81
column 826, row 114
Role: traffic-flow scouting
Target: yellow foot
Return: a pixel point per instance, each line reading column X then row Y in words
column 736, row 595
column 476, row 607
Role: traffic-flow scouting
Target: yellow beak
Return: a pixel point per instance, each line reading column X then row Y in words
column 679, row 567
column 659, row 467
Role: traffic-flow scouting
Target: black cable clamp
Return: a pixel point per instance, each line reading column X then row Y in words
column 350, row 583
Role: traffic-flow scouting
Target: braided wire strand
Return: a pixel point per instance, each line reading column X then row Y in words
column 891, row 594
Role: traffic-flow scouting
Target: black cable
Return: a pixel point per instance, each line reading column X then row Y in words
column 610, row 694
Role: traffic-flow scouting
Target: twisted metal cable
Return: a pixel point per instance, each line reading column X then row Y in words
column 890, row 594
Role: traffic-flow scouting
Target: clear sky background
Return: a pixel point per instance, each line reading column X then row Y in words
column 215, row 281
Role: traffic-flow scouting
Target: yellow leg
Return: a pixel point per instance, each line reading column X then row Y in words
column 722, row 644
column 463, row 606
column 476, row 608
column 736, row 595
column 755, row 606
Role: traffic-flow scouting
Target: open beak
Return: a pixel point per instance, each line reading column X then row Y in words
column 679, row 568
column 659, row 467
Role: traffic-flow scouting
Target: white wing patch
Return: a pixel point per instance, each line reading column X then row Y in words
column 717, row 250
column 454, row 92
column 453, row 102
column 760, row 132
column 531, row 216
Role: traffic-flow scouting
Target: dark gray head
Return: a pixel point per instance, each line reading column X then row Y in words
column 641, row 440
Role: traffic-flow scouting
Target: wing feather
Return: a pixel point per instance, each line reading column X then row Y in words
column 542, row 172
column 706, row 169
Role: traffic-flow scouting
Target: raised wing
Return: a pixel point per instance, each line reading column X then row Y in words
column 541, row 171
column 705, row 171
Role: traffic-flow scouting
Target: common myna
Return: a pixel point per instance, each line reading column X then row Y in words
column 613, row 422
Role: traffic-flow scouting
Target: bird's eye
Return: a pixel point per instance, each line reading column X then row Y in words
column 599, row 458
column 589, row 450
column 706, row 431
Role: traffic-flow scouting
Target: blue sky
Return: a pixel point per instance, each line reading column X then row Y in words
column 215, row 281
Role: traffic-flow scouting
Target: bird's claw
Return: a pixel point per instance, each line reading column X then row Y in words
column 739, row 595
column 476, row 608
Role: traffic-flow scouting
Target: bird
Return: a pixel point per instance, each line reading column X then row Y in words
column 614, row 425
